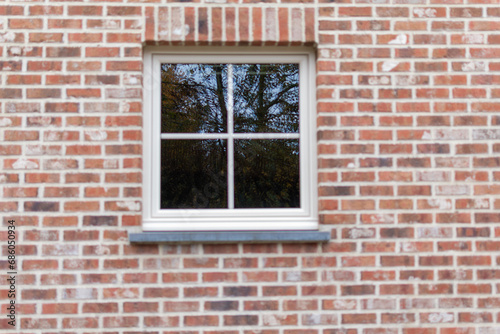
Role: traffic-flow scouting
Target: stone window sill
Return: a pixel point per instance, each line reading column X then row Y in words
column 229, row 237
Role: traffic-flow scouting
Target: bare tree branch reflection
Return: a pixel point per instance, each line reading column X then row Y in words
column 194, row 100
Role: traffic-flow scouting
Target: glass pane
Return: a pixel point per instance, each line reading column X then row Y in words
column 266, row 173
column 266, row 98
column 193, row 174
column 193, row 98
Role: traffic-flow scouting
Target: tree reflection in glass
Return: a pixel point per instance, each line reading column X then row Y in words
column 193, row 98
column 266, row 174
column 196, row 163
column 266, row 98
column 193, row 174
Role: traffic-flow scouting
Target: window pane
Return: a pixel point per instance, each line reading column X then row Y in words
column 193, row 174
column 266, row 174
column 193, row 98
column 266, row 98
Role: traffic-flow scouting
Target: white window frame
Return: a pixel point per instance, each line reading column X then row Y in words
column 303, row 218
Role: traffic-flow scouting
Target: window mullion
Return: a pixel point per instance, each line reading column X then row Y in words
column 230, row 141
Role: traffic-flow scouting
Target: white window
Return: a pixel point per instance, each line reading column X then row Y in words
column 229, row 139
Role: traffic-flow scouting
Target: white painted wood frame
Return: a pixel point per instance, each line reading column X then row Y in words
column 231, row 219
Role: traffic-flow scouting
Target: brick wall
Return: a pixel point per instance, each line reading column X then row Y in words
column 409, row 113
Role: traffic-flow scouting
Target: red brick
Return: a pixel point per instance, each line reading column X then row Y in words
column 183, row 306
column 196, row 320
column 38, row 294
column 396, row 289
column 367, row 318
column 355, row 11
column 60, row 308
column 119, row 321
column 202, row 292
column 100, row 308
column 120, row 293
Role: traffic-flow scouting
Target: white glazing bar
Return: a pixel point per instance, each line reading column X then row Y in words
column 266, row 136
column 230, row 142
column 194, row 136
column 232, row 135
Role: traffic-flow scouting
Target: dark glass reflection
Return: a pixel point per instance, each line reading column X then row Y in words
column 266, row 97
column 193, row 174
column 266, row 173
column 193, row 98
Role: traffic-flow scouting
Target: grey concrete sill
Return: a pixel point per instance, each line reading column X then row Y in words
column 229, row 237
